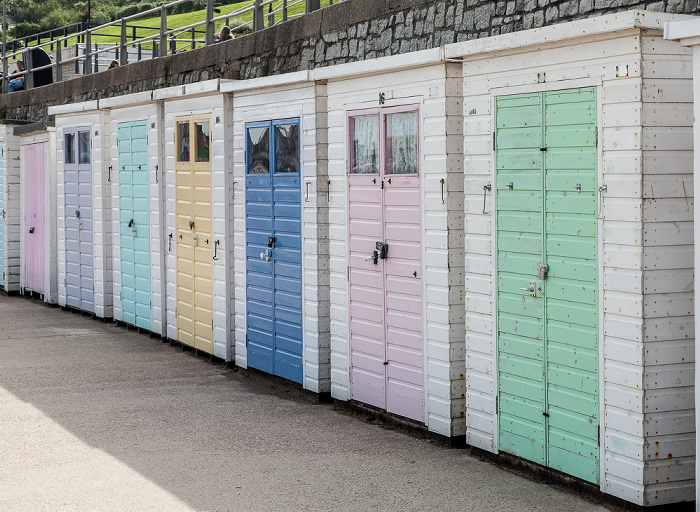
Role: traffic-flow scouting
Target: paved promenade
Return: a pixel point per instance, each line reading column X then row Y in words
column 97, row 418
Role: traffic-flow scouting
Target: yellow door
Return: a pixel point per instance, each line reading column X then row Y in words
column 193, row 211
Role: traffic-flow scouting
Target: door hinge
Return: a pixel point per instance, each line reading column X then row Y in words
column 494, row 140
column 347, row 275
column 596, row 138
column 382, row 183
column 212, row 324
column 598, row 435
column 496, row 404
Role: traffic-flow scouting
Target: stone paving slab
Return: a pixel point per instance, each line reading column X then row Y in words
column 97, row 418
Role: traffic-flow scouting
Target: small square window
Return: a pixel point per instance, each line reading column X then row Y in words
column 202, row 130
column 259, row 150
column 287, row 148
column 402, row 143
column 364, row 156
column 183, row 141
column 83, row 147
column 69, row 148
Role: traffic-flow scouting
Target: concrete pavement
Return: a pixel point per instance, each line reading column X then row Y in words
column 97, row 418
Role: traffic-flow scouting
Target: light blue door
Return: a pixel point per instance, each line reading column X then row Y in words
column 2, row 220
column 134, row 224
column 80, row 271
column 273, row 248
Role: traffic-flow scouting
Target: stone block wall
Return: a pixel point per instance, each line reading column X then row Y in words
column 350, row 31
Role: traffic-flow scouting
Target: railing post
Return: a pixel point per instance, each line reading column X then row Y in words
column 122, row 47
column 163, row 29
column 97, row 58
column 173, row 45
column 312, row 5
column 139, row 53
column 209, row 35
column 155, row 52
column 59, row 67
column 29, row 64
column 284, row 10
column 88, row 58
column 133, row 33
column 258, row 17
column 270, row 16
column 193, row 35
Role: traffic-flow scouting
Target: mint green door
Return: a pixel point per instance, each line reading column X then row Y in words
column 546, row 203
column 134, row 223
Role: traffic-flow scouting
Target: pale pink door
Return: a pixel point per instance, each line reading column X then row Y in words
column 385, row 274
column 34, row 217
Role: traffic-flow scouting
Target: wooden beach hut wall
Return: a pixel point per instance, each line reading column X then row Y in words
column 82, row 134
column 136, row 210
column 278, row 227
column 198, row 189
column 9, row 207
column 687, row 33
column 579, row 252
column 37, row 197
column 396, row 237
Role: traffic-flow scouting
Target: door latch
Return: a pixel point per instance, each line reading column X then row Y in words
column 31, row 230
column 195, row 239
column 531, row 289
column 266, row 255
column 270, row 241
column 542, row 270
column 374, row 257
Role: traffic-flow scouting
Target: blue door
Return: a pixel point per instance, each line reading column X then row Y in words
column 2, row 220
column 77, row 154
column 273, row 248
column 134, row 225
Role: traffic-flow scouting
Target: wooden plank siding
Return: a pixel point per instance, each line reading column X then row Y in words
column 11, row 206
column 667, row 264
column 645, row 143
column 437, row 90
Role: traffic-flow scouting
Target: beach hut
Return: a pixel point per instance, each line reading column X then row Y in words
column 278, row 227
column 82, row 131
column 197, row 189
column 37, row 159
column 396, row 237
column 136, row 239
column 579, row 252
column 9, row 206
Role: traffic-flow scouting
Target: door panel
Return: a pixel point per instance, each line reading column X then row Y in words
column 548, row 343
column 2, row 211
column 194, row 237
column 34, row 252
column 273, row 249
column 134, row 223
column 386, row 306
column 78, row 219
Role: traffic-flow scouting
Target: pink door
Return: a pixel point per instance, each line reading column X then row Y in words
column 34, row 217
column 385, row 274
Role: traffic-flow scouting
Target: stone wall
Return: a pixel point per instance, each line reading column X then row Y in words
column 350, row 31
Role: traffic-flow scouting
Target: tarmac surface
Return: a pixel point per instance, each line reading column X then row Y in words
column 94, row 417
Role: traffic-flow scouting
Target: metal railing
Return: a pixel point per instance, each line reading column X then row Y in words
column 160, row 43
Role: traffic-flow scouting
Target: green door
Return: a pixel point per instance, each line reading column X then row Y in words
column 546, row 202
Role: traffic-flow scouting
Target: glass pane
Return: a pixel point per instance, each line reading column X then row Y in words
column 69, row 149
column 83, row 147
column 402, row 143
column 183, row 142
column 202, row 141
column 287, row 148
column 365, row 141
column 259, row 146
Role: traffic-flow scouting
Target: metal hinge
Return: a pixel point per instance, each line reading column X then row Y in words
column 598, row 435
column 596, row 138
column 347, row 275
column 496, row 404
column 494, row 140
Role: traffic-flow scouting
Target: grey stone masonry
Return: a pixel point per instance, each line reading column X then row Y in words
column 349, row 31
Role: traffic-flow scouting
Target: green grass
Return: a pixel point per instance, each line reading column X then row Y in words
column 112, row 34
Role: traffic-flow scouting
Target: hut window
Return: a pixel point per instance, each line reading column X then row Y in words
column 258, row 150
column 365, row 144
column 183, row 141
column 69, row 148
column 202, row 130
column 402, row 143
column 287, row 147
column 84, row 147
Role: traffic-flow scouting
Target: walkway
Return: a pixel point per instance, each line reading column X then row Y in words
column 97, row 418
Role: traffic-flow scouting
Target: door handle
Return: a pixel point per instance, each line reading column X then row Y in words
column 531, row 289
column 266, row 255
column 374, row 256
column 31, row 230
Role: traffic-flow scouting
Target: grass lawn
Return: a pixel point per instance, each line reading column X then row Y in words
column 150, row 25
